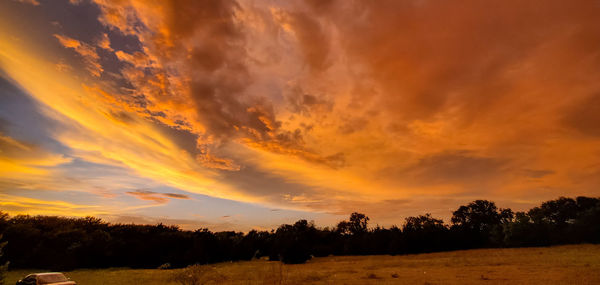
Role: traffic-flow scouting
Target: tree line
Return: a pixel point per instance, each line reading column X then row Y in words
column 60, row 243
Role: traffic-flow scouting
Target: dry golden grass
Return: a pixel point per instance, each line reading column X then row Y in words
column 571, row 264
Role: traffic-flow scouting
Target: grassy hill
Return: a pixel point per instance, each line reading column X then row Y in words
column 571, row 264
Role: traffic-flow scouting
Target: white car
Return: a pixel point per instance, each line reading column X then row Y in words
column 49, row 278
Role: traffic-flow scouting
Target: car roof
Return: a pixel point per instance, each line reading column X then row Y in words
column 46, row 273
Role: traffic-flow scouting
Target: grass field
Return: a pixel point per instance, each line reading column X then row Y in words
column 572, row 264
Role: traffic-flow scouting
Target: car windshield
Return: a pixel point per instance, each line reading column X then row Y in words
column 51, row 278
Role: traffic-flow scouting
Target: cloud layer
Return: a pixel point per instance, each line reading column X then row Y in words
column 389, row 107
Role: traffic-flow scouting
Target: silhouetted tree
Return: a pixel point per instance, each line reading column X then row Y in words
column 354, row 233
column 356, row 225
column 424, row 234
column 506, row 216
column 479, row 216
column 586, row 227
column 67, row 243
column 553, row 218
column 521, row 232
column 586, row 203
column 475, row 222
column 556, row 212
column 293, row 242
column 3, row 267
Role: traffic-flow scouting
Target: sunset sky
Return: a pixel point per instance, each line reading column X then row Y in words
column 246, row 114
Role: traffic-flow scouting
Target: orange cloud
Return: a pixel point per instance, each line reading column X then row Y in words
column 87, row 52
column 104, row 42
column 407, row 115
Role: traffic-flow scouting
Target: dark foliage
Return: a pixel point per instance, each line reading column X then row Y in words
column 425, row 234
column 65, row 243
column 4, row 266
column 480, row 223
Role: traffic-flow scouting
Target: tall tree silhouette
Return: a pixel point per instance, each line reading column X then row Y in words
column 475, row 222
column 424, row 234
column 356, row 225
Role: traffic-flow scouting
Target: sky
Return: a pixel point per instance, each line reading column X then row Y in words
column 238, row 115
